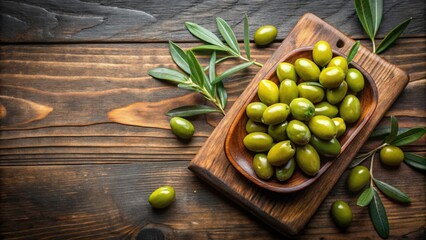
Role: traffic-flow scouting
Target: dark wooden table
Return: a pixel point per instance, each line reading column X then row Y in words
column 84, row 139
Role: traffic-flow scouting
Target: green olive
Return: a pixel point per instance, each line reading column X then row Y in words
column 308, row 160
column 322, row 127
column 307, row 70
column 391, row 155
column 252, row 126
column 268, row 92
column 340, row 125
column 326, row 148
column 276, row 113
column 281, row 153
column 255, row 111
column 288, row 91
column 263, row 169
column 326, row 109
column 285, row 172
column 286, row 70
column 336, row 95
column 311, row 92
column 341, row 214
column 182, row 128
column 258, row 142
column 302, row 109
column 265, row 35
column 322, row 53
column 162, row 197
column 278, row 131
column 355, row 80
column 298, row 132
column 358, row 178
column 331, row 77
column 339, row 62
column 350, row 109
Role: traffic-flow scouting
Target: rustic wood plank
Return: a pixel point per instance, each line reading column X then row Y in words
column 83, row 83
column 110, row 202
column 148, row 21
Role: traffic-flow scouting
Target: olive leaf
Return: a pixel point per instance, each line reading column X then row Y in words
column 191, row 110
column 378, row 215
column 168, row 75
column 197, row 72
column 179, row 56
column 223, row 95
column 204, row 34
column 231, row 71
column 208, row 47
column 392, row 192
column 415, row 160
column 363, row 10
column 409, row 136
column 246, row 37
column 361, row 158
column 365, row 198
column 392, row 36
column 370, row 13
column 393, row 130
column 212, row 73
column 353, row 51
column 382, row 132
column 376, row 7
column 227, row 34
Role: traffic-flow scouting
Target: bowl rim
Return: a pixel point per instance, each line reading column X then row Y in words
column 264, row 183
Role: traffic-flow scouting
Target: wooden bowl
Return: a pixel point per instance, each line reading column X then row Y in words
column 241, row 158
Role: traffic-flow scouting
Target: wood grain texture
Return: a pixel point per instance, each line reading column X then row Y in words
column 284, row 212
column 110, row 202
column 148, row 21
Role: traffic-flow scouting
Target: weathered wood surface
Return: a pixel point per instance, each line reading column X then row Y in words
column 148, row 21
column 84, row 139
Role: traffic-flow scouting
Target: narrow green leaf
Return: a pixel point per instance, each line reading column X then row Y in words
column 353, row 51
column 391, row 191
column 197, row 72
column 393, row 131
column 188, row 87
column 415, row 160
column 208, row 47
column 168, row 75
column 383, row 131
column 227, row 34
column 179, row 57
column 212, row 67
column 360, row 158
column 376, row 7
column 409, row 136
column 378, row 216
column 223, row 95
column 203, row 34
column 363, row 11
column 392, row 36
column 231, row 71
column 191, row 110
column 212, row 73
column 246, row 37
column 365, row 198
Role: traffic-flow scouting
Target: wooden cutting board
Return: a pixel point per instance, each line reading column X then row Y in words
column 289, row 213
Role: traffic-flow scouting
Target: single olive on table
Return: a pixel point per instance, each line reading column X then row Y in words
column 265, row 35
column 341, row 213
column 182, row 128
column 297, row 119
column 162, row 197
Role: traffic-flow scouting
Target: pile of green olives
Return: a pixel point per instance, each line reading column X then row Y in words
column 300, row 120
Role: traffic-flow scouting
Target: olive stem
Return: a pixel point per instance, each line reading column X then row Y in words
column 254, row 62
column 374, row 45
